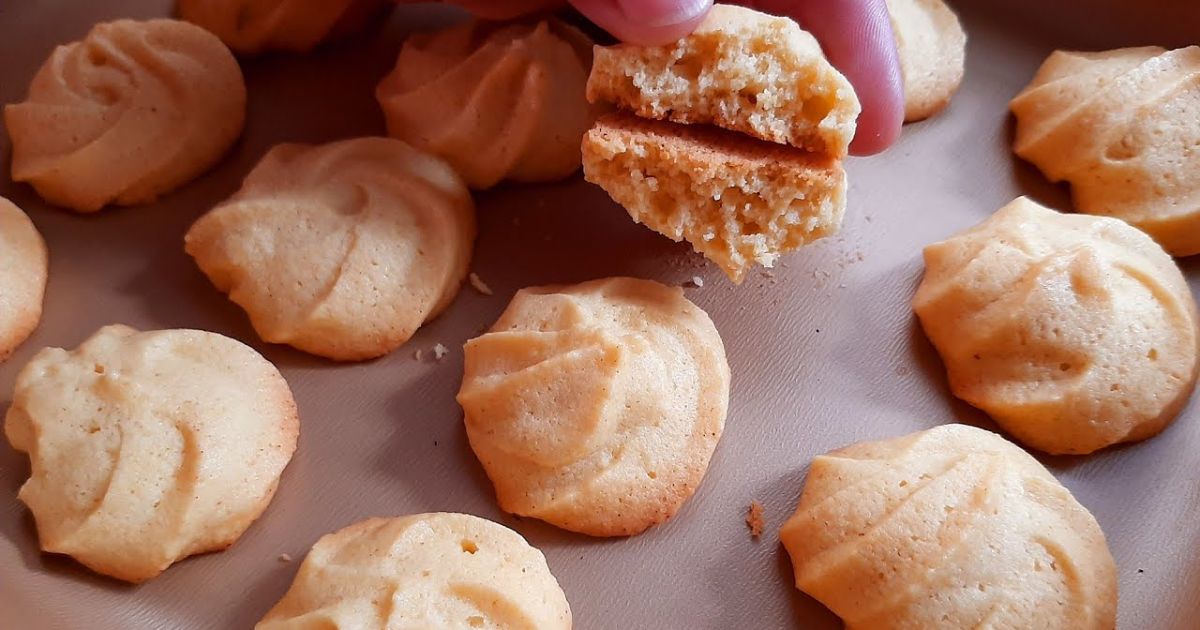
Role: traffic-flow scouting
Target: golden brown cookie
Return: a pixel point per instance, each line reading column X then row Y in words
column 596, row 407
column 423, row 571
column 253, row 26
column 1123, row 128
column 23, row 269
column 953, row 527
column 739, row 201
column 742, row 70
column 499, row 101
column 1073, row 332
column 148, row 447
column 932, row 48
column 131, row 112
column 343, row 249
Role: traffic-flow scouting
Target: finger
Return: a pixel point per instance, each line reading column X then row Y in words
column 649, row 22
column 857, row 38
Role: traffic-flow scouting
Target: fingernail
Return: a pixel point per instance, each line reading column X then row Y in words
column 657, row 13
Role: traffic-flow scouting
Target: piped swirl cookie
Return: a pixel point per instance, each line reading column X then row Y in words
column 23, row 270
column 132, row 111
column 343, row 249
column 596, row 407
column 148, row 447
column 1073, row 332
column 499, row 101
column 931, row 45
column 1123, row 128
column 254, row 26
column 953, row 527
column 423, row 571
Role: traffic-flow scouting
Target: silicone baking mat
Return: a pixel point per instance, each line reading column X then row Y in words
column 824, row 350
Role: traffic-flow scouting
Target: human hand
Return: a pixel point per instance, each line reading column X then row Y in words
column 855, row 34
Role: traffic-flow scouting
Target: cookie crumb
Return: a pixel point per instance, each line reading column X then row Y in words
column 283, row 557
column 417, row 355
column 439, row 351
column 754, row 519
column 479, row 285
column 696, row 282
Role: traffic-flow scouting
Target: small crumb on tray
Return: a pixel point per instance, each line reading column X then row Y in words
column 439, row 351
column 696, row 282
column 283, row 557
column 479, row 285
column 417, row 355
column 754, row 519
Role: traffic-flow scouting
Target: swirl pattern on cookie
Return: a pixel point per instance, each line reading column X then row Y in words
column 130, row 112
column 1123, row 128
column 254, row 26
column 596, row 407
column 23, row 268
column 1073, row 332
column 343, row 249
column 424, row 571
column 148, row 447
column 498, row 101
column 953, row 527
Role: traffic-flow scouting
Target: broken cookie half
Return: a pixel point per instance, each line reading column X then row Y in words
column 730, row 138
column 737, row 200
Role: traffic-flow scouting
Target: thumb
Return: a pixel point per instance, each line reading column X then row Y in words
column 645, row 21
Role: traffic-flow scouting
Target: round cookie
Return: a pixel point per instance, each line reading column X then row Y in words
column 23, row 268
column 1073, row 332
column 1122, row 127
column 953, row 527
column 342, row 250
column 931, row 45
column 130, row 112
column 254, row 26
column 148, row 447
column 596, row 407
column 498, row 101
column 424, row 571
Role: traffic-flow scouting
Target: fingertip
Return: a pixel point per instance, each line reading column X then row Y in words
column 882, row 117
column 858, row 40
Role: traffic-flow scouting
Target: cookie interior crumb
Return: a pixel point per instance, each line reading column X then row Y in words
column 754, row 519
column 741, row 70
column 737, row 200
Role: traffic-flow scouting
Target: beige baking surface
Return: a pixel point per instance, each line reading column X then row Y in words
column 824, row 352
